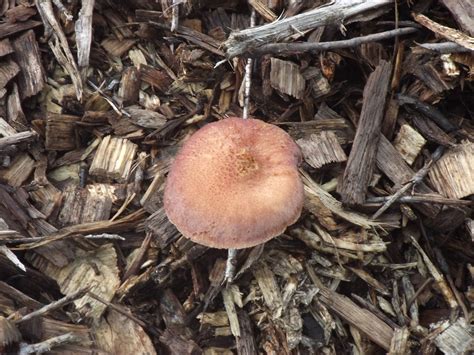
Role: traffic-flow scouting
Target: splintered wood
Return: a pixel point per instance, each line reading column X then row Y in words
column 286, row 77
column 453, row 174
column 321, row 149
column 114, row 158
column 409, row 143
column 361, row 161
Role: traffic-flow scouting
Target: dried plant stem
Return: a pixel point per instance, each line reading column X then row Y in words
column 230, row 265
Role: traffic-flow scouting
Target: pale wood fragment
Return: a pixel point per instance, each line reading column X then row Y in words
column 457, row 338
column 113, row 158
column 453, row 174
column 409, row 143
column 399, row 344
column 321, row 149
column 286, row 77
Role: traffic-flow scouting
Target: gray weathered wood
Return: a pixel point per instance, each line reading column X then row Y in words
column 362, row 157
column 335, row 12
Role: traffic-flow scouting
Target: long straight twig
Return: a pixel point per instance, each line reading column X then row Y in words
column 281, row 48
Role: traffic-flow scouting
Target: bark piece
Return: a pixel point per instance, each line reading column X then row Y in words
column 91, row 204
column 286, row 77
column 321, row 149
column 409, row 143
column 113, row 158
column 19, row 171
column 7, row 29
column 8, row 70
column 5, row 47
column 60, row 132
column 361, row 161
column 129, row 86
column 117, row 48
column 155, row 77
column 31, row 78
column 453, row 174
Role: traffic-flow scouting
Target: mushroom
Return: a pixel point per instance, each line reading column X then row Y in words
column 235, row 184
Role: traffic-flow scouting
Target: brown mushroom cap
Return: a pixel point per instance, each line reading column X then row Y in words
column 235, row 184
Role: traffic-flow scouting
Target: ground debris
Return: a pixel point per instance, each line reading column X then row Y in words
column 98, row 96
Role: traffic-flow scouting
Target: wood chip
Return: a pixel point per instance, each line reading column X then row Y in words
column 286, row 77
column 453, row 174
column 321, row 149
column 114, row 158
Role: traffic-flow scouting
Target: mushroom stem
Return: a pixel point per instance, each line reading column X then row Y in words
column 230, row 266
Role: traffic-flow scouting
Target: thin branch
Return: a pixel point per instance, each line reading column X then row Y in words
column 52, row 306
column 281, row 48
column 48, row 344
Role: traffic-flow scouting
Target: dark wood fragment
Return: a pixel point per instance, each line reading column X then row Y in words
column 7, row 29
column 246, row 342
column 361, row 160
column 129, row 86
column 60, row 132
column 155, row 77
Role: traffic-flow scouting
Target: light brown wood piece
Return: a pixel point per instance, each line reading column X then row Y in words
column 117, row 48
column 409, row 143
column 321, row 149
column 114, row 158
column 453, row 174
column 399, row 344
column 19, row 171
column 31, row 78
column 361, row 161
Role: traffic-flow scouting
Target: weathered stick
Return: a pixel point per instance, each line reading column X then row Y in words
column 335, row 12
column 361, row 161
column 279, row 48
